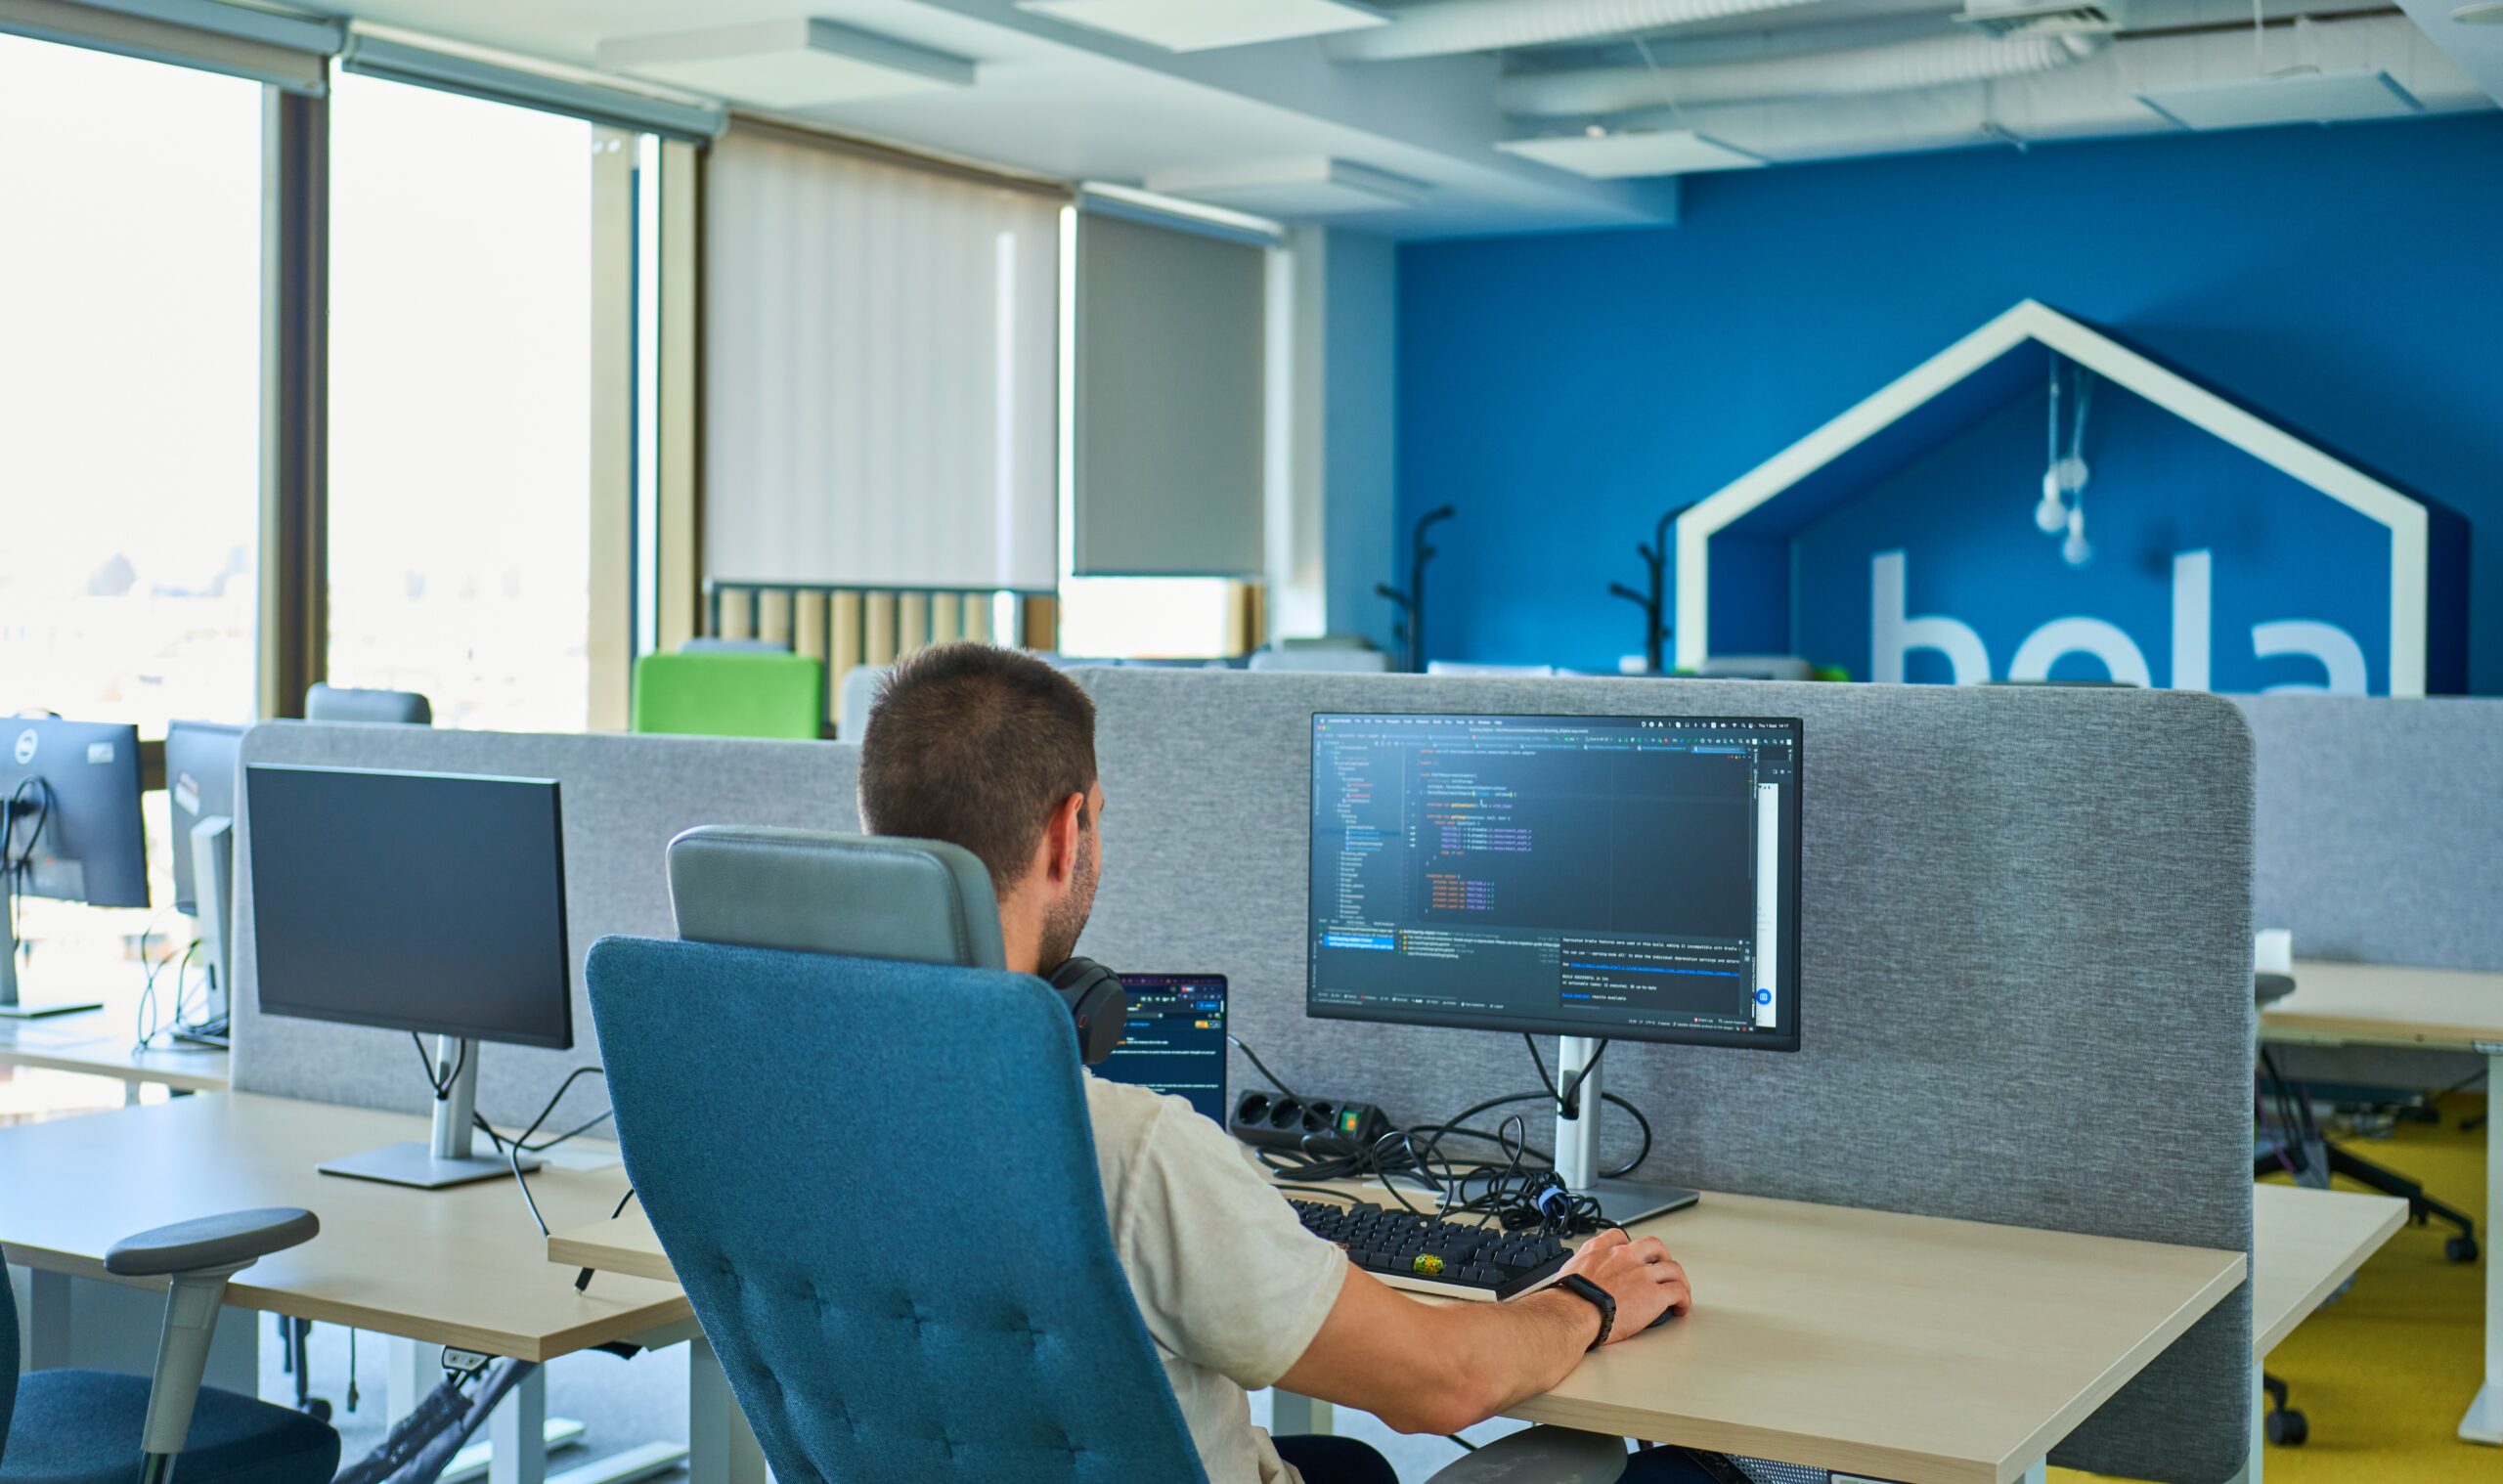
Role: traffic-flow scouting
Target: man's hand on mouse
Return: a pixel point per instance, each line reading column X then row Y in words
column 1646, row 1282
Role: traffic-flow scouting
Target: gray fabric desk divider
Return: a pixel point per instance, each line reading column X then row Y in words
column 2026, row 974
column 2380, row 841
column 623, row 799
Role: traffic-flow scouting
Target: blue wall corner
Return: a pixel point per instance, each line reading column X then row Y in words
column 1564, row 389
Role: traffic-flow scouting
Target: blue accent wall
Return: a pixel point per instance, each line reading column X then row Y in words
column 1564, row 389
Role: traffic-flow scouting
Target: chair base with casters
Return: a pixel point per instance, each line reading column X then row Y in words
column 68, row 1426
column 2286, row 1428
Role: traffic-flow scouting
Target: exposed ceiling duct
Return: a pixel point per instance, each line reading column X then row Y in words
column 1449, row 28
column 2097, row 100
column 1929, row 63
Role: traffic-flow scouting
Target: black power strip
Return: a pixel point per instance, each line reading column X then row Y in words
column 1274, row 1121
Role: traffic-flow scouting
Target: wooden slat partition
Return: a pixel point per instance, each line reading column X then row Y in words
column 878, row 644
column 846, row 628
column 774, row 617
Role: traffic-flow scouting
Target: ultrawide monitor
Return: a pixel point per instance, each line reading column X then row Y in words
column 1632, row 878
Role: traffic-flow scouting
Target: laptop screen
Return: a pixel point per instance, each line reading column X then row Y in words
column 1177, row 1038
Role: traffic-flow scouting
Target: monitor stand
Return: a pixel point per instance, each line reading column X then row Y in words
column 447, row 1159
column 1577, row 1146
column 10, row 1008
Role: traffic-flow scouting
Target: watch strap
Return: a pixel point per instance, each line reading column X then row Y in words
column 1582, row 1288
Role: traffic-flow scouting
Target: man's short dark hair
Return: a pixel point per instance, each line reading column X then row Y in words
column 976, row 745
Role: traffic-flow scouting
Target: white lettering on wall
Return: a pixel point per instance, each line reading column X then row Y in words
column 1894, row 636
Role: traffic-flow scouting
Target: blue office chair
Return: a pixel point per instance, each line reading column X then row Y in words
column 327, row 702
column 102, row 1427
column 865, row 1147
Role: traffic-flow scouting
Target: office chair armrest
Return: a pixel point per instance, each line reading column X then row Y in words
column 228, row 1242
column 1541, row 1455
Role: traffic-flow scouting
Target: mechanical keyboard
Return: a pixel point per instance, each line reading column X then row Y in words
column 1425, row 1254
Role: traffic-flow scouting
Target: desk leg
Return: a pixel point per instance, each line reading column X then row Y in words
column 2485, row 1420
column 1292, row 1415
column 47, row 1345
column 2039, row 1473
column 129, row 1094
column 116, row 1327
column 517, row 1431
column 2254, row 1462
column 719, row 1447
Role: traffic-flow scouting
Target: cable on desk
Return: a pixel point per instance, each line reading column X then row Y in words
column 1517, row 1189
column 521, row 1146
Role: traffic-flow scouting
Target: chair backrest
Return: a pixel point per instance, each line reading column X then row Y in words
column 8, row 1357
column 730, row 693
column 875, row 1181
column 859, row 693
column 818, row 892
column 326, row 702
column 1323, row 661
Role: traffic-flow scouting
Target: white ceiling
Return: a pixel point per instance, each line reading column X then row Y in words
column 1084, row 104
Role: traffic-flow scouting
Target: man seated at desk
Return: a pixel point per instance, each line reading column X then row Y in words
column 994, row 751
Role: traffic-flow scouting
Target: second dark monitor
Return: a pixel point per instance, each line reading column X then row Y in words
column 427, row 902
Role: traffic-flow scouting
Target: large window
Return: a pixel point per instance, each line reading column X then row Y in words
column 460, row 404
column 129, row 387
column 129, row 422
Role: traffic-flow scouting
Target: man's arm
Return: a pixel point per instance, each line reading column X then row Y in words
column 1439, row 1367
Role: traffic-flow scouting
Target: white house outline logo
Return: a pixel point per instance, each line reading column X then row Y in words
column 26, row 744
column 2406, row 519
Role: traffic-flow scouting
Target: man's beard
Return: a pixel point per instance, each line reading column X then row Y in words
column 1068, row 917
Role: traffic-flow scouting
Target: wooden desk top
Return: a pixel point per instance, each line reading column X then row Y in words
column 1907, row 1347
column 2304, row 1244
column 2387, row 1005
column 463, row 1266
column 101, row 1043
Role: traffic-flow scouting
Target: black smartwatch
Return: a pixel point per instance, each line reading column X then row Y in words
column 1576, row 1283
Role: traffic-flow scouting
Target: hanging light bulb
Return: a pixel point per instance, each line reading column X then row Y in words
column 2076, row 551
column 2071, row 473
column 2052, row 515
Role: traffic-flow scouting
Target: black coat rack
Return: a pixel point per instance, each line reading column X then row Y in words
column 1655, row 562
column 1409, row 629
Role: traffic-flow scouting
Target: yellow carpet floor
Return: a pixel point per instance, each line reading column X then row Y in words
column 2383, row 1372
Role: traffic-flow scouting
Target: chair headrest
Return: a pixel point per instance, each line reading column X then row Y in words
column 326, row 702
column 815, row 892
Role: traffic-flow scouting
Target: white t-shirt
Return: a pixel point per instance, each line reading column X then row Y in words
column 1232, row 1286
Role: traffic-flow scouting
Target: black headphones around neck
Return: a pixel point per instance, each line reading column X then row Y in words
column 1098, row 1004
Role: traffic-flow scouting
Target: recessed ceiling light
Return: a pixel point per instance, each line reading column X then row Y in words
column 2244, row 103
column 1202, row 26
column 798, row 64
column 1294, row 188
column 1632, row 153
column 2484, row 13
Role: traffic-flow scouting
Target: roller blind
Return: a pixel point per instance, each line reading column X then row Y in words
column 1169, row 353
column 287, row 52
column 456, row 71
column 880, row 370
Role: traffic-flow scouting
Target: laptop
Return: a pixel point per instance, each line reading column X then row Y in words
column 1175, row 1040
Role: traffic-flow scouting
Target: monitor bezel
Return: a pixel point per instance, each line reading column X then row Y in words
column 1746, row 1040
column 563, row 1040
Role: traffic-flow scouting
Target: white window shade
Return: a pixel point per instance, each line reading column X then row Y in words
column 880, row 367
column 1169, row 412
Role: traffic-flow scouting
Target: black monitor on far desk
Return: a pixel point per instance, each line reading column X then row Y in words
column 69, row 828
column 1594, row 878
column 415, row 902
